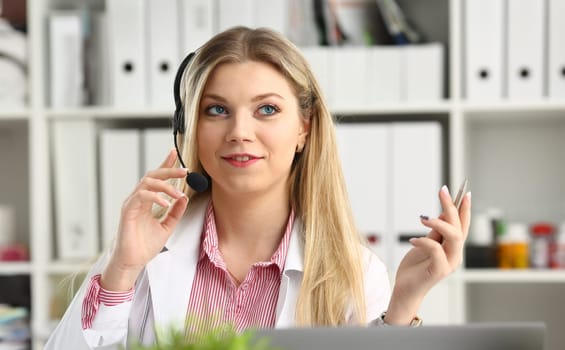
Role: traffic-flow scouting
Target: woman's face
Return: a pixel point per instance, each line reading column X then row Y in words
column 249, row 128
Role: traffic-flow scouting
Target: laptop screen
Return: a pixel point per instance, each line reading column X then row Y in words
column 478, row 336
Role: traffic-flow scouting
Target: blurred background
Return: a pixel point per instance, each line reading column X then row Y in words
column 430, row 92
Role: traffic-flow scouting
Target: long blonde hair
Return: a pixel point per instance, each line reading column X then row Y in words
column 333, row 270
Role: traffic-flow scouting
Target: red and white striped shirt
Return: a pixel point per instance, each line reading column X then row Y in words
column 96, row 295
column 215, row 299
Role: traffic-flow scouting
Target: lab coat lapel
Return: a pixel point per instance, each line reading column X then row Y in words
column 291, row 278
column 171, row 273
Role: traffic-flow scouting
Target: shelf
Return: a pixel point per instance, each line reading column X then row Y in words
column 110, row 113
column 512, row 276
column 412, row 108
column 475, row 110
column 14, row 113
column 15, row 268
column 545, row 108
column 441, row 107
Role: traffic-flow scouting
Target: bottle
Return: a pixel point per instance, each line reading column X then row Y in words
column 560, row 247
column 480, row 250
column 542, row 248
column 512, row 247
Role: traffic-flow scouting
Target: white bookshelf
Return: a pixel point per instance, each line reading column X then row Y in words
column 511, row 108
column 15, row 268
column 14, row 114
column 109, row 113
column 464, row 120
column 415, row 109
column 495, row 276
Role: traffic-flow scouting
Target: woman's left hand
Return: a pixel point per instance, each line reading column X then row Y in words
column 432, row 258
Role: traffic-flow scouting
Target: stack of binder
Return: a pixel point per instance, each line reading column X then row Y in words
column 399, row 183
column 391, row 187
column 135, row 47
column 512, row 51
column 369, row 76
column 89, row 194
column 125, row 155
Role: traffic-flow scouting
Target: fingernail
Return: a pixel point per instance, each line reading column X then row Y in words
column 412, row 240
column 445, row 189
column 424, row 217
column 469, row 196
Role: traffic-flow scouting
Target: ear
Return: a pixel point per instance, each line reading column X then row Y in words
column 303, row 135
column 304, row 131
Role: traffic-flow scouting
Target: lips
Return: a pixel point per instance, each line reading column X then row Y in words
column 241, row 160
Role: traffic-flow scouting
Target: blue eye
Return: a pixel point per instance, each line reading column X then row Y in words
column 215, row 110
column 268, row 110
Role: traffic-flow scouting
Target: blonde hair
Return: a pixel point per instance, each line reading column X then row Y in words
column 333, row 268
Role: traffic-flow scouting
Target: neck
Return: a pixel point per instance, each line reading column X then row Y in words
column 252, row 224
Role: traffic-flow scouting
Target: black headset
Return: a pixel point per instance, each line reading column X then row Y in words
column 197, row 181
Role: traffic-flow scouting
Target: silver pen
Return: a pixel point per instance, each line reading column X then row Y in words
column 461, row 193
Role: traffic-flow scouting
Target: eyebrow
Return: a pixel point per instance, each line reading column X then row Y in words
column 254, row 99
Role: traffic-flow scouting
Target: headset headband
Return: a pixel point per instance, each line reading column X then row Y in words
column 178, row 120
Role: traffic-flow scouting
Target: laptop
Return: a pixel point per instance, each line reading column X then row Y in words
column 478, row 336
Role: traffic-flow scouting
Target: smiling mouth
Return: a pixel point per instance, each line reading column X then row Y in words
column 241, row 158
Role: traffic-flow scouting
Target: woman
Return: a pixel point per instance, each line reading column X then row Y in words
column 272, row 241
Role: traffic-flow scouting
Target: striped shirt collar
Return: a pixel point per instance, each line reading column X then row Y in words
column 209, row 245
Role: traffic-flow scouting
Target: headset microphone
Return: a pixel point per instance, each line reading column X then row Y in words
column 196, row 181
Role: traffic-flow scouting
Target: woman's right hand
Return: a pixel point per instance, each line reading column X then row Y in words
column 141, row 236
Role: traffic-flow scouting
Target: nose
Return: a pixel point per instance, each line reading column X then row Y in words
column 240, row 127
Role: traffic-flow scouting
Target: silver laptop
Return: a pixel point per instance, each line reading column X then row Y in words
column 479, row 336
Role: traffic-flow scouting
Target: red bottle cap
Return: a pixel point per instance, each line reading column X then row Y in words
column 542, row 229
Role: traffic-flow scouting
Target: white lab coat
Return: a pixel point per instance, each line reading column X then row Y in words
column 162, row 292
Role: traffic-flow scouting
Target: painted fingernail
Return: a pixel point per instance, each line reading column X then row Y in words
column 424, row 217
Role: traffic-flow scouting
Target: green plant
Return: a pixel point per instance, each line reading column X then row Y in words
column 224, row 338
